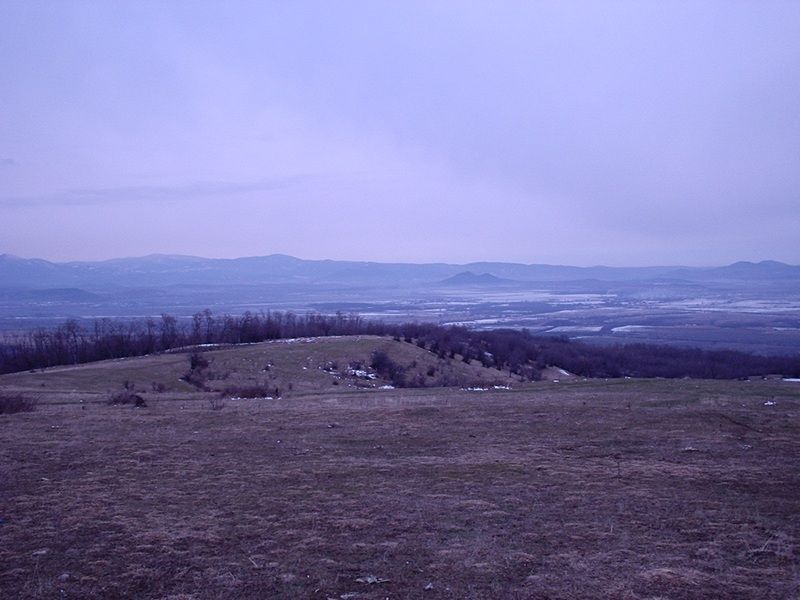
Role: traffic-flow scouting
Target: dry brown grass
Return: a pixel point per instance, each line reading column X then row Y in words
column 16, row 403
column 629, row 490
column 294, row 367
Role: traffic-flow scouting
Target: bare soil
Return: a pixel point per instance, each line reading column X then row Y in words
column 574, row 490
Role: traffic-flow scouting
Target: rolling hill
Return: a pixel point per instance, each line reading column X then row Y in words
column 279, row 368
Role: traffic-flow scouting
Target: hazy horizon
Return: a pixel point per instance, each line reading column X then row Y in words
column 593, row 133
column 366, row 260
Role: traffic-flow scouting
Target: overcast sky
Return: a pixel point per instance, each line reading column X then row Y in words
column 620, row 133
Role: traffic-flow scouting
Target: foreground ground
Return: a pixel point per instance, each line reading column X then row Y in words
column 572, row 490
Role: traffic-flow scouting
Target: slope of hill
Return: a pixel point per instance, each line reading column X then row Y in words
column 470, row 279
column 278, row 368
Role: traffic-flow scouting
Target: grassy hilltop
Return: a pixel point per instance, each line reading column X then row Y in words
column 294, row 367
column 581, row 489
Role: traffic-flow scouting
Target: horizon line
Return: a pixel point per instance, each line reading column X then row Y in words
column 396, row 262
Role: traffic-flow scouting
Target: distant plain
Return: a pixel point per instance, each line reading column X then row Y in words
column 754, row 307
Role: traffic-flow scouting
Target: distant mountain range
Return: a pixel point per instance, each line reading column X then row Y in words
column 160, row 270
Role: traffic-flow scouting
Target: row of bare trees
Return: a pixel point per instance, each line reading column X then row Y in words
column 77, row 342
column 515, row 350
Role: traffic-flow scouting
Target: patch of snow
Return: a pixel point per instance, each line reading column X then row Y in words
column 362, row 373
column 501, row 387
column 624, row 328
column 304, row 340
column 575, row 328
column 386, row 387
column 769, row 403
column 793, row 379
column 565, row 373
column 475, row 389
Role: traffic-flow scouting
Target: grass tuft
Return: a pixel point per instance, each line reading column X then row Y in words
column 16, row 403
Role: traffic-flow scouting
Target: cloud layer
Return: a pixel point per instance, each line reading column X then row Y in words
column 586, row 133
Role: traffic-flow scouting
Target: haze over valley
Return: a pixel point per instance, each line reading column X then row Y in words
column 745, row 306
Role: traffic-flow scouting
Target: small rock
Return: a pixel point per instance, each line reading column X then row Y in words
column 64, row 577
column 428, row 587
column 371, row 579
column 41, row 552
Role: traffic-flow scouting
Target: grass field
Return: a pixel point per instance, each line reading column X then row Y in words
column 574, row 490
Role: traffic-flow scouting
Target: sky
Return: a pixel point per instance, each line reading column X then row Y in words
column 585, row 133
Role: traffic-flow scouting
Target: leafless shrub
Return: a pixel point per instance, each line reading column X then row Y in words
column 16, row 403
column 198, row 371
column 218, row 375
column 127, row 396
column 198, row 361
column 251, row 391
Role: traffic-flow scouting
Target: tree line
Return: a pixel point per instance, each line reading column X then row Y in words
column 517, row 351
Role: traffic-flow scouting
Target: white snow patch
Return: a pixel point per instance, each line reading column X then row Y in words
column 386, row 387
column 769, row 403
column 304, row 340
column 362, row 373
column 793, row 379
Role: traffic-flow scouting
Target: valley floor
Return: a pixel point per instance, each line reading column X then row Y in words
column 620, row 489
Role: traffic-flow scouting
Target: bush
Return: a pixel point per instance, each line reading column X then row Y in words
column 388, row 369
column 197, row 375
column 197, row 361
column 127, row 396
column 252, row 391
column 15, row 403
